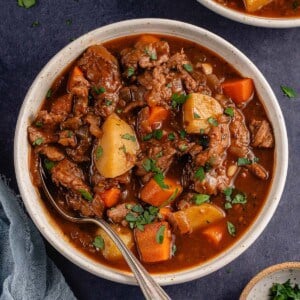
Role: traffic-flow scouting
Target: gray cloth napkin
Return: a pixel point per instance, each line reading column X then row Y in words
column 25, row 270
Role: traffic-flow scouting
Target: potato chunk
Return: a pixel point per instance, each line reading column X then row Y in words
column 110, row 250
column 196, row 217
column 254, row 5
column 197, row 110
column 118, row 148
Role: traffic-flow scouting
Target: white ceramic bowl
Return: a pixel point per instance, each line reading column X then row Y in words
column 250, row 19
column 54, row 67
column 259, row 286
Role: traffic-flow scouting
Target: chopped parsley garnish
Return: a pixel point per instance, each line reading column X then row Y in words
column 130, row 71
column 196, row 116
column 183, row 147
column 159, row 178
column 228, row 192
column 171, row 136
column 169, row 85
column 160, row 234
column 147, row 137
column 227, row 205
column 123, row 148
column 159, row 154
column 99, row 242
column 99, row 152
column 35, row 24
column 86, row 195
column 149, row 164
column 173, row 250
column 212, row 121
column 244, row 161
column 26, row 3
column 178, row 99
column 157, row 134
column 119, row 110
column 49, row 164
column 239, row 199
column 188, row 67
column 229, row 111
column 39, row 124
column 39, row 141
column 69, row 134
column 284, row 291
column 99, row 90
column 152, row 54
column 49, row 94
column 288, row 91
column 200, row 198
column 138, row 217
column 200, row 174
column 129, row 137
column 170, row 199
column 182, row 133
column 231, row 228
column 108, row 102
column 69, row 22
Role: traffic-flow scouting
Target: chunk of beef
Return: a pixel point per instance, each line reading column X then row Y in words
column 261, row 134
column 37, row 136
column 72, row 123
column 80, row 153
column 146, row 55
column 94, row 122
column 258, row 170
column 162, row 156
column 52, row 152
column 118, row 213
column 67, row 138
column 62, row 105
column 215, row 181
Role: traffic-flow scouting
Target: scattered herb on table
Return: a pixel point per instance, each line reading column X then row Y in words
column 26, row 3
column 288, row 91
column 35, row 24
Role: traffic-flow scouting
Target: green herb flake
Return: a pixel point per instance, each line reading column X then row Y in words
column 200, row 174
column 39, row 124
column 151, row 54
column 99, row 90
column 99, row 242
column 108, row 102
column 170, row 199
column 188, row 67
column 288, row 92
column 228, row 192
column 49, row 164
column 147, row 137
column 229, row 111
column 284, row 291
column 130, row 217
column 231, row 228
column 200, row 199
column 128, row 137
column 26, row 3
column 178, row 99
column 159, row 154
column 160, row 234
column 173, row 250
column 171, row 136
column 239, row 199
column 196, row 116
column 159, row 178
column 39, row 141
column 35, row 24
column 169, row 85
column 69, row 22
column 183, row 147
column 227, row 205
column 182, row 134
column 157, row 134
column 119, row 110
column 69, row 134
column 123, row 148
column 85, row 194
column 130, row 71
column 49, row 94
column 137, row 208
column 243, row 161
column 99, row 152
column 212, row 121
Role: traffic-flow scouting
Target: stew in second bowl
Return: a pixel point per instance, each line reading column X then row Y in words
column 162, row 138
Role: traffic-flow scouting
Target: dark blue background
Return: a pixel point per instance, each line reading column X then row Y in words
column 24, row 50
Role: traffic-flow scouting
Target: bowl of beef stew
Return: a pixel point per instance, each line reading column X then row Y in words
column 144, row 123
column 263, row 13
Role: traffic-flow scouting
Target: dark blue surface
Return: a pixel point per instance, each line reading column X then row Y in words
column 24, row 50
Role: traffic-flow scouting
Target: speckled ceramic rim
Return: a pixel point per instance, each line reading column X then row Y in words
column 250, row 19
column 264, row 273
column 54, row 67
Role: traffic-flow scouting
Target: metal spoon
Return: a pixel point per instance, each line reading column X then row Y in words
column 150, row 289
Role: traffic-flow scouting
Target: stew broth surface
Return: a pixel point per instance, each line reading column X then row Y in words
column 192, row 248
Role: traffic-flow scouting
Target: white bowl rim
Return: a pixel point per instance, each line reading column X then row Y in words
column 250, row 19
column 32, row 200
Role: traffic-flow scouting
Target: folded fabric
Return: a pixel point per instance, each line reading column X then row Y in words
column 25, row 270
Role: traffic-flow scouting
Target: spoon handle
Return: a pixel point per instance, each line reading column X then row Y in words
column 150, row 289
